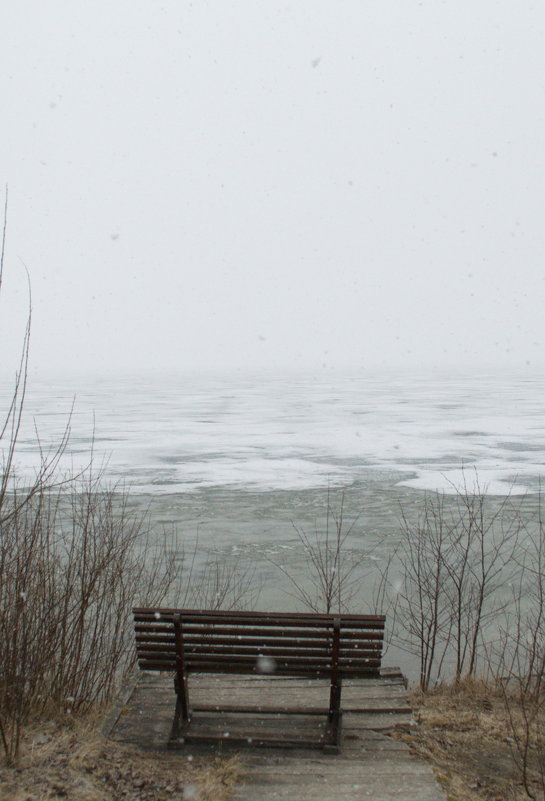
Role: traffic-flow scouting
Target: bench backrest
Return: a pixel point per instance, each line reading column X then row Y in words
column 282, row 644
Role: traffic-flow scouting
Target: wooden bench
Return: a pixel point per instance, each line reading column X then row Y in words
column 306, row 646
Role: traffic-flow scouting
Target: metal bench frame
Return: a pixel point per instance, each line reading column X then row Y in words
column 305, row 645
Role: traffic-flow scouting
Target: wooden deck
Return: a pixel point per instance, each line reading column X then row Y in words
column 370, row 765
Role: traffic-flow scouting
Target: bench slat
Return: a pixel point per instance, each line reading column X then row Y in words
column 220, row 614
column 280, row 670
column 250, row 664
column 255, row 642
column 256, row 646
column 191, row 632
column 264, row 621
column 254, row 651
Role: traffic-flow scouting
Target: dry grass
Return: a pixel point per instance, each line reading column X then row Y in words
column 464, row 732
column 70, row 761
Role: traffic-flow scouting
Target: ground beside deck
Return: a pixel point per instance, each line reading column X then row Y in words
column 370, row 763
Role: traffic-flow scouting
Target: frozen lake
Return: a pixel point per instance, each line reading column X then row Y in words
column 166, row 434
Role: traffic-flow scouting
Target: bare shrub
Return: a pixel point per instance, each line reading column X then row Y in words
column 73, row 562
column 334, row 571
column 518, row 659
column 454, row 561
column 222, row 583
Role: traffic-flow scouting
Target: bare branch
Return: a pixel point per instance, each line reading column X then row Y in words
column 4, row 230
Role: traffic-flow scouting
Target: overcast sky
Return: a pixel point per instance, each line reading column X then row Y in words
column 269, row 184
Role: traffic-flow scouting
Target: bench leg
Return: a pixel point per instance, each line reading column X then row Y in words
column 182, row 715
column 333, row 729
column 333, row 735
column 334, row 720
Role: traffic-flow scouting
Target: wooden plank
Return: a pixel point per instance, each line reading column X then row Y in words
column 295, row 767
column 260, row 708
column 299, row 707
column 258, row 762
column 304, row 654
column 299, row 772
column 147, row 613
column 255, row 741
column 294, row 700
column 419, row 789
column 368, row 686
column 273, row 690
column 348, row 643
column 354, row 752
column 287, row 722
column 259, row 647
column 249, row 660
column 375, row 681
column 284, row 667
column 232, row 630
column 275, row 687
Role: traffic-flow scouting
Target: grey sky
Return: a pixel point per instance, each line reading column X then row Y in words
column 274, row 184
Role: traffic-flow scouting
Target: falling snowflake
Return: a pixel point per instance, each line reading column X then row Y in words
column 265, row 664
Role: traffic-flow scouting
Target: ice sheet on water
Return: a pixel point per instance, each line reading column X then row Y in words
column 489, row 481
column 181, row 435
column 265, row 474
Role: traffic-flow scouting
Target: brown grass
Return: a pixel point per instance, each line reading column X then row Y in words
column 69, row 761
column 464, row 732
